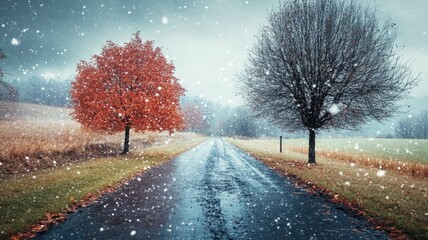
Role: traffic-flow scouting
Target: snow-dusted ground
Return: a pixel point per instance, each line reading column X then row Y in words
column 214, row 191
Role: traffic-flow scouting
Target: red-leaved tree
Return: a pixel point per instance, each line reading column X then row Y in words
column 130, row 86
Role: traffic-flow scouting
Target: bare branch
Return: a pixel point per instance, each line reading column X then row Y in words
column 321, row 64
column 317, row 55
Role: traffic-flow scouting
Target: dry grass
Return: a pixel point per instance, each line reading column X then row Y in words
column 396, row 200
column 34, row 137
column 415, row 169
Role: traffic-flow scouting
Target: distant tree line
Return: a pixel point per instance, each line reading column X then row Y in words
column 205, row 117
column 198, row 114
column 43, row 91
column 7, row 91
column 413, row 127
column 241, row 122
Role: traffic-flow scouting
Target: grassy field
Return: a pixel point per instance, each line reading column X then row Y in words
column 393, row 149
column 392, row 198
column 407, row 156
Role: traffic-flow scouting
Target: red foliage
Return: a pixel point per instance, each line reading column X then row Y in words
column 131, row 85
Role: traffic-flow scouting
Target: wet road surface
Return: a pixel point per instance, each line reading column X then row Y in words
column 214, row 191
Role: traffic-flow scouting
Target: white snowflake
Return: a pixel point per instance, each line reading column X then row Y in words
column 165, row 20
column 334, row 109
column 380, row 173
column 15, row 42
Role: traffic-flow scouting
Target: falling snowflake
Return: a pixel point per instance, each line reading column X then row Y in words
column 267, row 72
column 133, row 232
column 333, row 109
column 380, row 173
column 165, row 20
column 356, row 147
column 15, row 42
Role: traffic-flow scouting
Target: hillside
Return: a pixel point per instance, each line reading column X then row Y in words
column 28, row 111
column 34, row 137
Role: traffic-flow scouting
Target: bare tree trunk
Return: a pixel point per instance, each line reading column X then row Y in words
column 126, row 143
column 425, row 131
column 311, row 158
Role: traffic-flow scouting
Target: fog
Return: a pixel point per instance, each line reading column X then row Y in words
column 208, row 41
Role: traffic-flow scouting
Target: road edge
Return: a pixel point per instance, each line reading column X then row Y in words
column 334, row 198
column 52, row 219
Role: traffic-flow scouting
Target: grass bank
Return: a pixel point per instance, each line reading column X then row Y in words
column 25, row 199
column 392, row 198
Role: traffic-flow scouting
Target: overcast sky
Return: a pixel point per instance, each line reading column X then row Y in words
column 208, row 41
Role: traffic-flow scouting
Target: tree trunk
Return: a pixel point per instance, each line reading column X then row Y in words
column 126, row 143
column 425, row 132
column 311, row 157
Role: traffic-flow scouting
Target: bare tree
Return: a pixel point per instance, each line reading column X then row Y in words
column 241, row 123
column 321, row 64
column 405, row 128
column 423, row 122
column 7, row 91
column 413, row 127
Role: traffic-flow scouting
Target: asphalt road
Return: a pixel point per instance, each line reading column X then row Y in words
column 214, row 191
